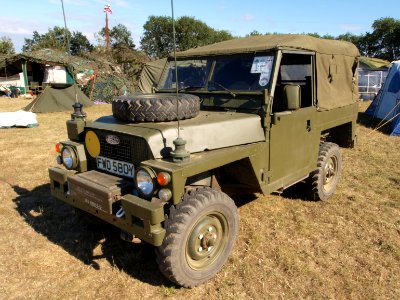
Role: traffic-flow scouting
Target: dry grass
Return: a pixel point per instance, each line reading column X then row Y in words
column 348, row 247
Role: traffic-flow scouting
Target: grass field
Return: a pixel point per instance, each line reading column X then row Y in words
column 348, row 247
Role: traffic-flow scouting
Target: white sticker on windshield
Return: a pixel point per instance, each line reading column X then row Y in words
column 262, row 64
column 264, row 78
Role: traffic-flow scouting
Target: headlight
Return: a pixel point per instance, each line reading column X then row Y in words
column 145, row 181
column 69, row 158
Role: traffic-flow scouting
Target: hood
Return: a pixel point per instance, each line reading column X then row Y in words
column 208, row 131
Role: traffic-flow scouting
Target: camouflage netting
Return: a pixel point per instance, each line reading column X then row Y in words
column 99, row 76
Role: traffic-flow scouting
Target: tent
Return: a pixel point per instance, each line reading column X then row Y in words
column 150, row 75
column 386, row 105
column 58, row 98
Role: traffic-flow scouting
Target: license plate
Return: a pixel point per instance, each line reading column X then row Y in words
column 115, row 166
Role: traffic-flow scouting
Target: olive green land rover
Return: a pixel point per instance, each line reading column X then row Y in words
column 249, row 115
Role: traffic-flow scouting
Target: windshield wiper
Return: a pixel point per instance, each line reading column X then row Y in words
column 190, row 87
column 224, row 88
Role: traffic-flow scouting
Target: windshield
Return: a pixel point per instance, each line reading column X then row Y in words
column 191, row 73
column 247, row 72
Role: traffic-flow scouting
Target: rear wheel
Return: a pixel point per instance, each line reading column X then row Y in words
column 201, row 232
column 323, row 181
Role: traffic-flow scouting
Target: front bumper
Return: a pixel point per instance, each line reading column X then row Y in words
column 142, row 218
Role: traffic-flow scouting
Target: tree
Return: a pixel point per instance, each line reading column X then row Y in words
column 254, row 33
column 120, row 36
column 157, row 40
column 58, row 38
column 384, row 41
column 6, row 45
column 54, row 39
column 79, row 44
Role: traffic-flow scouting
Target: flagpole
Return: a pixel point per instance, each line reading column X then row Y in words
column 107, row 10
column 107, row 36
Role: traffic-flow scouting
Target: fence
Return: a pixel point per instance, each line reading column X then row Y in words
column 370, row 82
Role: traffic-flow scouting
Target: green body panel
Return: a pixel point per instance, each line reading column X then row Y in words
column 335, row 117
column 144, row 219
column 209, row 160
column 74, row 129
column 294, row 147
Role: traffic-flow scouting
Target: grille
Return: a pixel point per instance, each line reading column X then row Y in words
column 130, row 149
column 122, row 151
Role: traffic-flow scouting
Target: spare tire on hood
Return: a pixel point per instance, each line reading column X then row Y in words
column 155, row 107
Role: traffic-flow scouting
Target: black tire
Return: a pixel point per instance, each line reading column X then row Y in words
column 324, row 180
column 155, row 107
column 201, row 232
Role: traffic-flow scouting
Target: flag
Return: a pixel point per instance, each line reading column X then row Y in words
column 107, row 9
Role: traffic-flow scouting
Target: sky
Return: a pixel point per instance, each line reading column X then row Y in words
column 20, row 18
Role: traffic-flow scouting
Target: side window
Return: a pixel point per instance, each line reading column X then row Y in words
column 294, row 69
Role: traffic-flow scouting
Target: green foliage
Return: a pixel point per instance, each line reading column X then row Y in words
column 157, row 40
column 254, row 33
column 157, row 37
column 384, row 41
column 79, row 44
column 6, row 45
column 58, row 38
column 119, row 36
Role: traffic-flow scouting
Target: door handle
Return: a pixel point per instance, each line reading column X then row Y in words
column 308, row 127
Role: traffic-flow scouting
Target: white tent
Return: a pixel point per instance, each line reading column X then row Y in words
column 386, row 105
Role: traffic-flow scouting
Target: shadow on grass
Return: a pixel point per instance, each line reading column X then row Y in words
column 61, row 225
column 297, row 191
column 371, row 122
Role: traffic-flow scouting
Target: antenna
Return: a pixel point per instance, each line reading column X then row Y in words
column 176, row 67
column 78, row 113
column 180, row 153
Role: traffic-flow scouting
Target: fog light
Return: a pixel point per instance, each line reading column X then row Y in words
column 165, row 195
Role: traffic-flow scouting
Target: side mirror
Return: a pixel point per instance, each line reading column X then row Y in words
column 292, row 96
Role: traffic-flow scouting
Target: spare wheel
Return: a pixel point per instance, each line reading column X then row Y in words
column 155, row 107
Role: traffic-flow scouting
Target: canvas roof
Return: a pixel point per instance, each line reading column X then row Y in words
column 336, row 62
column 272, row 42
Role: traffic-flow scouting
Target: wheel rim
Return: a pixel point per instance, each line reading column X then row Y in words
column 330, row 173
column 207, row 240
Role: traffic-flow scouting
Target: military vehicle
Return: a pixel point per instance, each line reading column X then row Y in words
column 249, row 115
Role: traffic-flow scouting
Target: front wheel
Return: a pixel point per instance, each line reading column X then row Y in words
column 200, row 234
column 324, row 180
